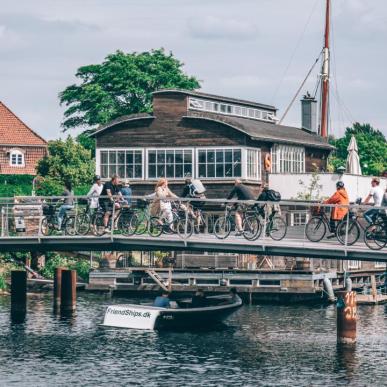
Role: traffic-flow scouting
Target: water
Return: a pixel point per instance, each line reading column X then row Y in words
column 259, row 345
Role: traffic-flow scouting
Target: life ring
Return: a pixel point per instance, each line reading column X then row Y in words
column 267, row 162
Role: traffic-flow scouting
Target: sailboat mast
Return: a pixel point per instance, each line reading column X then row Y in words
column 325, row 76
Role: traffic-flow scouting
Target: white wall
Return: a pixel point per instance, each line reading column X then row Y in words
column 289, row 184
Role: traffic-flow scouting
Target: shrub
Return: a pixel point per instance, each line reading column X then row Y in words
column 3, row 284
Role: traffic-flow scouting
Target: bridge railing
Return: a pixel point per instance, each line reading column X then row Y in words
column 294, row 221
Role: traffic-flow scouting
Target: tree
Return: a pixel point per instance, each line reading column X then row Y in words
column 66, row 160
column 372, row 149
column 122, row 84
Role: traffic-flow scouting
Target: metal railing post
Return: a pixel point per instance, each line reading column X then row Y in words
column 186, row 223
column 346, row 233
column 113, row 221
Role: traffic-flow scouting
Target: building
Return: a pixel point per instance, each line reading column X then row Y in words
column 20, row 147
column 213, row 138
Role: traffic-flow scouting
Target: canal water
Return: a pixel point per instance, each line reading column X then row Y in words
column 259, row 345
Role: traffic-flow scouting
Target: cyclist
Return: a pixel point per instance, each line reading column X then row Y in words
column 109, row 195
column 95, row 192
column 195, row 190
column 242, row 192
column 376, row 193
column 337, row 213
column 68, row 202
column 126, row 193
column 161, row 204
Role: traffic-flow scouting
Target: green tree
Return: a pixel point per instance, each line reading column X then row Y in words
column 372, row 149
column 66, row 160
column 122, row 84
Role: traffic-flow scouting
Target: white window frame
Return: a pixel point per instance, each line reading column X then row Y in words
column 18, row 154
column 298, row 213
column 287, row 159
column 146, row 164
column 229, row 109
column 354, row 264
column 380, row 265
column 98, row 165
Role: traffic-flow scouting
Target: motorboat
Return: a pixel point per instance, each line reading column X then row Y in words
column 181, row 316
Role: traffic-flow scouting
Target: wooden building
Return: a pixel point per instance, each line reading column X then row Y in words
column 213, row 138
column 20, row 147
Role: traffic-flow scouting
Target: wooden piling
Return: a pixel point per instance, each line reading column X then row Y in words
column 18, row 295
column 57, row 287
column 68, row 291
column 346, row 317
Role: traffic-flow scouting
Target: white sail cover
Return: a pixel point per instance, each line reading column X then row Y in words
column 353, row 161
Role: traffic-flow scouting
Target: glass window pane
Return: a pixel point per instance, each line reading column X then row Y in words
column 170, row 157
column 121, row 171
column 112, row 157
column 152, row 157
column 210, row 170
column 237, row 155
column 129, row 157
column 138, row 171
column 179, row 157
column 202, row 170
column 178, row 170
column 160, row 156
column 228, row 156
column 104, row 157
column 161, row 170
column 219, row 156
column 129, row 171
column 138, row 157
column 112, row 170
column 104, row 171
column 152, row 171
column 202, row 156
column 121, row 157
column 170, row 171
column 228, row 170
column 188, row 156
column 187, row 169
column 237, row 170
column 210, row 156
column 219, row 170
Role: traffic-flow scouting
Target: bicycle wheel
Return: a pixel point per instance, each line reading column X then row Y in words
column 98, row 225
column 69, row 226
column 252, row 228
column 185, row 228
column 128, row 223
column 142, row 222
column 375, row 236
column 277, row 228
column 155, row 226
column 353, row 232
column 315, row 229
column 222, row 227
column 46, row 227
column 82, row 224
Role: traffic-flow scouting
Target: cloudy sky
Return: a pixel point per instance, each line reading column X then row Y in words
column 252, row 49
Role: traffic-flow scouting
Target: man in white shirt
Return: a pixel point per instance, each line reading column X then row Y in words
column 376, row 193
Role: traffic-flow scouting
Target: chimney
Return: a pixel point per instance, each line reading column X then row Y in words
column 309, row 113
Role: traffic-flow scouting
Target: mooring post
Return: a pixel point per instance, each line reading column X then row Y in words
column 346, row 317
column 18, row 295
column 57, row 287
column 68, row 291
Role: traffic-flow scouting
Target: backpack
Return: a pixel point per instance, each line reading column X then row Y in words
column 273, row 196
column 196, row 188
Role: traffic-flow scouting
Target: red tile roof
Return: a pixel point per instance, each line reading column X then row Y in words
column 13, row 131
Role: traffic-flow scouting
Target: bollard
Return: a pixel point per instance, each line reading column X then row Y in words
column 57, row 287
column 68, row 291
column 18, row 295
column 346, row 317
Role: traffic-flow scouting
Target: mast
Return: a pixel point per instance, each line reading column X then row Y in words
column 325, row 76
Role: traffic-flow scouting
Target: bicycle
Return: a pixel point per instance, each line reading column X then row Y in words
column 317, row 225
column 274, row 225
column 49, row 224
column 196, row 223
column 159, row 225
column 375, row 235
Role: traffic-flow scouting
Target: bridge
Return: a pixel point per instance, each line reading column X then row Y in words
column 27, row 212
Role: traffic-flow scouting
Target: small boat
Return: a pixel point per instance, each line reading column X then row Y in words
column 183, row 316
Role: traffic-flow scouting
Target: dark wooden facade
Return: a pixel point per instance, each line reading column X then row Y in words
column 170, row 126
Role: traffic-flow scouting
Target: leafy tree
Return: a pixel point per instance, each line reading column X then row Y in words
column 372, row 149
column 66, row 160
column 122, row 84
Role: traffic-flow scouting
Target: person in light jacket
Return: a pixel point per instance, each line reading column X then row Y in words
column 95, row 192
column 161, row 205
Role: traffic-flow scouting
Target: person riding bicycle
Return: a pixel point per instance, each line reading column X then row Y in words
column 94, row 193
column 126, row 193
column 194, row 189
column 337, row 213
column 68, row 202
column 376, row 193
column 161, row 205
column 109, row 195
column 242, row 192
column 268, row 195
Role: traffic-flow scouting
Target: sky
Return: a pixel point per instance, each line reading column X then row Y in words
column 259, row 50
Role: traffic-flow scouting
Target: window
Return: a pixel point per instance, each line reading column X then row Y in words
column 299, row 218
column 219, row 163
column 16, row 158
column 254, row 164
column 266, row 282
column 125, row 163
column 169, row 163
column 380, row 265
column 229, row 109
column 354, row 264
column 288, row 159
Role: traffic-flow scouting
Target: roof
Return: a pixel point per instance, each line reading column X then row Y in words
column 265, row 131
column 199, row 94
column 122, row 119
column 13, row 131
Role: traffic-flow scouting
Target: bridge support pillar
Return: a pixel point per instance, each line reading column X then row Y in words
column 68, row 291
column 18, row 295
column 346, row 317
column 57, row 287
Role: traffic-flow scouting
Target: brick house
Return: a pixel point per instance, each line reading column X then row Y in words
column 20, row 147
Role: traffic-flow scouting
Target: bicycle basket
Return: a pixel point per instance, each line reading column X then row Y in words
column 316, row 210
column 48, row 209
